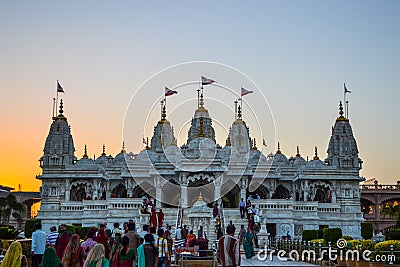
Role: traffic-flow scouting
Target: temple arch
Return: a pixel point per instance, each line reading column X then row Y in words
column 281, row 192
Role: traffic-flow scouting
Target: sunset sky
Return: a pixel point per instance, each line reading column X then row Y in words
column 299, row 53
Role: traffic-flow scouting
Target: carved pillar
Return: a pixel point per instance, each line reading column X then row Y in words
column 217, row 189
column 108, row 190
column 67, row 190
column 243, row 188
column 184, row 195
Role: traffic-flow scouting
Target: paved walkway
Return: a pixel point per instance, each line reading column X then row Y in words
column 275, row 262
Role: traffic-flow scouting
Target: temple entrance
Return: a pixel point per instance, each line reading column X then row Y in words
column 323, row 194
column 230, row 199
column 171, row 193
column 271, row 229
column 203, row 186
column 119, row 191
column 262, row 191
column 78, row 192
column 281, row 192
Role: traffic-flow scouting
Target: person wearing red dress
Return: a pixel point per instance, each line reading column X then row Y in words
column 160, row 217
column 153, row 218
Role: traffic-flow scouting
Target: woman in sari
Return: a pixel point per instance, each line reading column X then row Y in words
column 61, row 244
column 125, row 256
column 116, row 245
column 103, row 239
column 50, row 258
column 248, row 244
column 13, row 255
column 96, row 257
column 74, row 255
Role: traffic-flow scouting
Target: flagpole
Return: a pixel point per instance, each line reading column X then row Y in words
column 344, row 98
column 54, row 106
column 198, row 95
column 57, row 97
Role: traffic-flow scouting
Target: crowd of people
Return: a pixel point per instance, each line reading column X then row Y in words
column 101, row 247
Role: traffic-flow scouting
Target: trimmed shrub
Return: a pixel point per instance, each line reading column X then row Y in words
column 30, row 227
column 367, row 230
column 385, row 245
column 71, row 228
column 353, row 244
column 321, row 233
column 347, row 237
column 308, row 235
column 8, row 233
column 394, row 234
column 332, row 235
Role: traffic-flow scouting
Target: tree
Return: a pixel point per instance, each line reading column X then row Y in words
column 391, row 209
column 9, row 206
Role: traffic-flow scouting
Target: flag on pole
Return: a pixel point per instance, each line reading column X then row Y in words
column 264, row 143
column 169, row 92
column 206, row 81
column 144, row 141
column 59, row 88
column 345, row 89
column 245, row 92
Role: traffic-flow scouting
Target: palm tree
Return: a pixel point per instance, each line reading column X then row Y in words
column 9, row 206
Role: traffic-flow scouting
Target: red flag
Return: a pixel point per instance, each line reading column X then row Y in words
column 59, row 88
column 206, row 81
column 144, row 141
column 264, row 143
column 169, row 92
column 245, row 92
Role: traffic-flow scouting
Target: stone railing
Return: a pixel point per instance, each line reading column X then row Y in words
column 385, row 187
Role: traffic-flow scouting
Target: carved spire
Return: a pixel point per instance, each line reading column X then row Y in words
column 147, row 144
column 254, row 144
column 239, row 113
column 341, row 117
column 104, row 150
column 298, row 152
column 123, row 147
column 85, row 156
column 316, row 154
column 201, row 132
column 279, row 149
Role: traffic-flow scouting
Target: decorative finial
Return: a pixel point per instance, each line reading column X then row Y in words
column 163, row 112
column 61, row 111
column 236, row 109
column 254, row 144
column 341, row 109
column 228, row 140
column 201, row 133
column 279, row 149
column 123, row 147
column 316, row 154
column 104, row 150
column 201, row 100
column 200, row 198
column 85, row 156
column 307, row 158
column 147, row 144
column 239, row 113
column 298, row 152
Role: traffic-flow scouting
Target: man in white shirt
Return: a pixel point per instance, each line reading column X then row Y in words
column 38, row 245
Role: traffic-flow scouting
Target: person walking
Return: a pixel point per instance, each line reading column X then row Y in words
column 162, row 244
column 38, row 245
column 241, row 234
column 52, row 237
column 134, row 239
column 89, row 243
column 148, row 253
column 74, row 254
column 228, row 252
column 125, row 256
column 242, row 208
column 50, row 258
column 13, row 256
column 103, row 239
column 249, row 244
column 96, row 257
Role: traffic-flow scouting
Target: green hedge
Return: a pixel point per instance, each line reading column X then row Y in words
column 332, row 235
column 81, row 231
column 394, row 234
column 30, row 227
column 367, row 230
column 8, row 233
column 308, row 235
